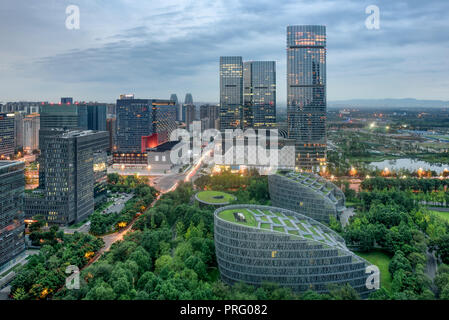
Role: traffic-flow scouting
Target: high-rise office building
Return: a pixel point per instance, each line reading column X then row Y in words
column 96, row 117
column 70, row 116
column 190, row 115
column 31, row 126
column 209, row 113
column 259, row 91
column 137, row 118
column 66, row 194
column 188, row 99
column 306, row 94
column 12, row 187
column 84, row 116
column 231, row 92
column 164, row 120
column 111, row 127
column 174, row 98
column 18, row 129
column 6, row 135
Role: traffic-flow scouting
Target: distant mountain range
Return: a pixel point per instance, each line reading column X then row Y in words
column 396, row 103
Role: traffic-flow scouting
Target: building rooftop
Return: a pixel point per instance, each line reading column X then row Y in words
column 274, row 219
column 317, row 183
column 167, row 146
column 7, row 165
column 214, row 197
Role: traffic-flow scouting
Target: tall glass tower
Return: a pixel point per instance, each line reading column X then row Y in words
column 259, row 92
column 231, row 92
column 306, row 94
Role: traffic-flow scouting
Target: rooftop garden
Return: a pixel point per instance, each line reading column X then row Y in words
column 215, row 197
column 277, row 221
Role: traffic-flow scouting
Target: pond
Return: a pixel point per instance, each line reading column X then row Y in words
column 409, row 164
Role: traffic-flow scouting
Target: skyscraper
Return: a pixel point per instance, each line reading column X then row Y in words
column 18, row 129
column 12, row 187
column 174, row 98
column 306, row 94
column 190, row 115
column 66, row 194
column 6, row 135
column 31, row 125
column 137, row 118
column 259, row 91
column 188, row 99
column 231, row 92
column 209, row 113
column 96, row 117
column 70, row 116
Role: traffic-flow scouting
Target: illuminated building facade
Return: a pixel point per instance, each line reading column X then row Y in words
column 306, row 94
column 259, row 83
column 259, row 244
column 31, row 126
column 164, row 120
column 100, row 166
column 6, row 135
column 66, row 194
column 137, row 118
column 12, row 187
column 231, row 92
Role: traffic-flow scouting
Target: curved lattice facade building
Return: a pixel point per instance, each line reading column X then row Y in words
column 256, row 244
column 306, row 193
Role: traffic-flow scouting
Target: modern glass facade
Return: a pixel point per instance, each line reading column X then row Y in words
column 306, row 193
column 256, row 244
column 96, row 117
column 137, row 118
column 209, row 114
column 231, row 92
column 188, row 99
column 259, row 91
column 306, row 94
column 12, row 187
column 63, row 116
column 66, row 194
column 164, row 119
column 174, row 98
column 6, row 135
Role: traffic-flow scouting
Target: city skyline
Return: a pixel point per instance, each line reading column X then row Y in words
column 89, row 62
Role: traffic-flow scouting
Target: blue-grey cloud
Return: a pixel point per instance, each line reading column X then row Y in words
column 155, row 48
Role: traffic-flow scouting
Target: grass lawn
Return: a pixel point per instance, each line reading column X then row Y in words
column 280, row 229
column 381, row 260
column 275, row 220
column 265, row 225
column 228, row 215
column 215, row 197
column 289, row 223
column 442, row 215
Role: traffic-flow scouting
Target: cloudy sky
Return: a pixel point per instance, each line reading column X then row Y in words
column 154, row 48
